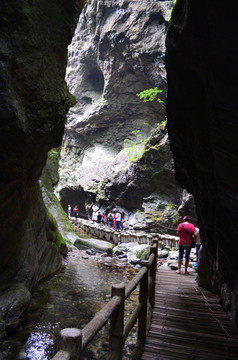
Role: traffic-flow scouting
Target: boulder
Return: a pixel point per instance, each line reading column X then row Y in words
column 163, row 253
column 14, row 303
column 141, row 252
column 173, row 255
column 96, row 244
column 124, row 247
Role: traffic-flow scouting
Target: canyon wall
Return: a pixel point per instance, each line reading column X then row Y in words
column 202, row 50
column 33, row 106
column 117, row 51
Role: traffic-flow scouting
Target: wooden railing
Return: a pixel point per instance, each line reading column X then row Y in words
column 74, row 341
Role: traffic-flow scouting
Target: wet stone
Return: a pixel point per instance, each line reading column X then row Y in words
column 90, row 252
column 122, row 256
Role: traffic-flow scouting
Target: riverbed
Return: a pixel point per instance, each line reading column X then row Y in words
column 70, row 299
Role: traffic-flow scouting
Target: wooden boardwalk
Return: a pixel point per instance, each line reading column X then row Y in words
column 188, row 322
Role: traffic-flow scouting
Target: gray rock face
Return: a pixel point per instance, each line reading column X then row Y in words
column 34, row 38
column 202, row 101
column 117, row 51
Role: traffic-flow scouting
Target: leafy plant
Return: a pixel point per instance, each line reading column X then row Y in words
column 96, row 100
column 54, row 153
column 150, row 95
column 171, row 10
column 162, row 124
column 171, row 207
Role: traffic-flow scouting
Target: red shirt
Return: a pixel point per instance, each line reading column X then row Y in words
column 183, row 235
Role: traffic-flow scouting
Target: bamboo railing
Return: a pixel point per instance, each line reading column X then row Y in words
column 74, row 341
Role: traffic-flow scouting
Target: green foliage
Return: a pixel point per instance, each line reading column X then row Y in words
column 132, row 151
column 55, row 235
column 171, row 10
column 53, row 204
column 162, row 124
column 150, row 95
column 54, row 153
column 100, row 191
column 70, row 100
column 96, row 100
column 171, row 211
column 171, row 207
column 100, row 194
column 146, row 123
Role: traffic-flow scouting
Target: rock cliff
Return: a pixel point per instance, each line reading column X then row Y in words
column 33, row 96
column 117, row 51
column 202, row 50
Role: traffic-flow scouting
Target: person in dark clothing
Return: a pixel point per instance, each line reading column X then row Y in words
column 99, row 217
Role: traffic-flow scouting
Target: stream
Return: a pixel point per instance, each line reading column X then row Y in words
column 70, row 299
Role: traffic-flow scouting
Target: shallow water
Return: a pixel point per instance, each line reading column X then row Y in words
column 69, row 299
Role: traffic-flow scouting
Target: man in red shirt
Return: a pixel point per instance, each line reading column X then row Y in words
column 76, row 211
column 185, row 232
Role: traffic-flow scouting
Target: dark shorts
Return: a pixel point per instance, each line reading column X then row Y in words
column 187, row 250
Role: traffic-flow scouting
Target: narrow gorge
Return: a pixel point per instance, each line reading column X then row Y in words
column 154, row 161
column 115, row 150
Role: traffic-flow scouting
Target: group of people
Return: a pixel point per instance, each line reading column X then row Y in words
column 112, row 219
column 187, row 232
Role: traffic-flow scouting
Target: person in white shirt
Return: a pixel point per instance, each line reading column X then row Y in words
column 118, row 221
column 69, row 211
column 198, row 243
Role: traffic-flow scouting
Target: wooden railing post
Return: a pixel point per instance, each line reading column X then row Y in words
column 116, row 341
column 143, row 296
column 153, row 250
column 71, row 342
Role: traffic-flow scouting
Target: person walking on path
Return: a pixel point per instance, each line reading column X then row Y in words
column 76, row 211
column 198, row 244
column 110, row 219
column 69, row 211
column 118, row 221
column 104, row 218
column 185, row 231
column 99, row 218
column 114, row 219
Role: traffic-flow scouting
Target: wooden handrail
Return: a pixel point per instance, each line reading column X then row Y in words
column 132, row 285
column 114, row 311
column 99, row 320
column 132, row 320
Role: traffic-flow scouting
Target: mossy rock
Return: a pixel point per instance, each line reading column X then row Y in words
column 59, row 218
column 141, row 252
column 100, row 245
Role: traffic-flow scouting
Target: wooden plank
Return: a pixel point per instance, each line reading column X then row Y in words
column 188, row 323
